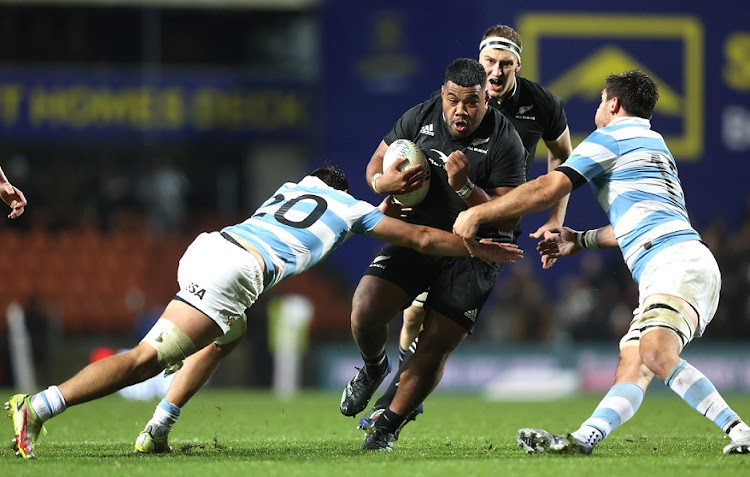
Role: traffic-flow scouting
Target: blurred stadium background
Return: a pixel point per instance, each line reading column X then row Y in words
column 132, row 125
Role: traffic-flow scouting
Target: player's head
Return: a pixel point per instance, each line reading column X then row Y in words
column 331, row 176
column 465, row 98
column 500, row 55
column 634, row 92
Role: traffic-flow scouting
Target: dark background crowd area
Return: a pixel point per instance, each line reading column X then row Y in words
column 590, row 299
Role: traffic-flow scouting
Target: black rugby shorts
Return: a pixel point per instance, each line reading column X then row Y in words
column 459, row 286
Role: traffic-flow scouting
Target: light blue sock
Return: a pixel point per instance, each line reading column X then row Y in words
column 620, row 404
column 700, row 394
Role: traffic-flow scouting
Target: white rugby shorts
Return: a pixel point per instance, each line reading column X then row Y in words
column 221, row 280
column 687, row 270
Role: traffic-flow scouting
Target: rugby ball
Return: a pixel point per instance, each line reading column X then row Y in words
column 405, row 148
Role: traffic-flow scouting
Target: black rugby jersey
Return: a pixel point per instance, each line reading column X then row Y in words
column 535, row 113
column 495, row 152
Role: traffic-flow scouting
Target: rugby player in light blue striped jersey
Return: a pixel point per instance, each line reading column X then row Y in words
column 220, row 275
column 634, row 178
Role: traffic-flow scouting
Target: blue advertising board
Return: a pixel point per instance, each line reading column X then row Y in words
column 120, row 104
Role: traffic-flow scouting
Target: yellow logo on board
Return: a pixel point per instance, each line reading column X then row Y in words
column 585, row 79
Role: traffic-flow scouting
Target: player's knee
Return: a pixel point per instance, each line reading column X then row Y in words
column 172, row 345
column 366, row 314
column 413, row 318
column 659, row 361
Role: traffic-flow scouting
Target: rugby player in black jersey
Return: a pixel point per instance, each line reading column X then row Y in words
column 475, row 154
column 536, row 114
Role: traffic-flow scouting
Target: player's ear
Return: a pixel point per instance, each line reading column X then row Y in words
column 518, row 66
column 614, row 108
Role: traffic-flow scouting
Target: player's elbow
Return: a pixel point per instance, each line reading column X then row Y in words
column 425, row 240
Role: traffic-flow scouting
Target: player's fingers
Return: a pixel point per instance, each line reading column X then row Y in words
column 21, row 197
column 397, row 163
column 16, row 212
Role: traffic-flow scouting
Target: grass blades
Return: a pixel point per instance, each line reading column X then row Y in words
column 226, row 432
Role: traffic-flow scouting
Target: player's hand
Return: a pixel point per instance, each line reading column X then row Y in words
column 14, row 198
column 457, row 167
column 392, row 208
column 486, row 249
column 543, row 232
column 395, row 182
column 558, row 242
column 466, row 225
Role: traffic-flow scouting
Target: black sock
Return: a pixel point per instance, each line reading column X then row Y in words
column 389, row 421
column 389, row 394
column 377, row 366
column 404, row 355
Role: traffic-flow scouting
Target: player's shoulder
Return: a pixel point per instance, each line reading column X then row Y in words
column 311, row 185
column 425, row 109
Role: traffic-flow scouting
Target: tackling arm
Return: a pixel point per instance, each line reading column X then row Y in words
column 525, row 199
column 429, row 240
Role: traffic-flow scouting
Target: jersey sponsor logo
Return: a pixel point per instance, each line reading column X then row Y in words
column 427, row 129
column 634, row 42
column 195, row 289
column 471, row 314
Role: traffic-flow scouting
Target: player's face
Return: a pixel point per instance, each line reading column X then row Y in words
column 463, row 108
column 501, row 67
column 604, row 111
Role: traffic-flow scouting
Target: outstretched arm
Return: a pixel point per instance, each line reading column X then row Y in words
column 433, row 241
column 11, row 196
column 527, row 198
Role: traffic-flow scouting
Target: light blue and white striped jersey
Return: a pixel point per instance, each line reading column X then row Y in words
column 301, row 224
column 634, row 178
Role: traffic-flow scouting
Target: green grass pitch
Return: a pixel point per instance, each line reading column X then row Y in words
column 240, row 432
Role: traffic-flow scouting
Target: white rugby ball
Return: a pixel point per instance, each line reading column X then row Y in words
column 405, row 148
